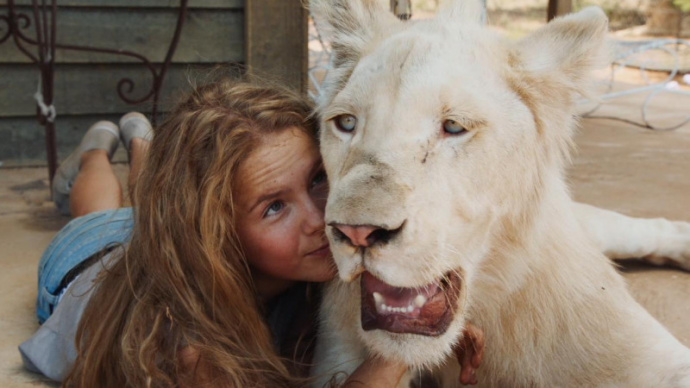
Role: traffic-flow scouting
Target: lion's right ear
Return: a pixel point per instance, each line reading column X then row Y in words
column 562, row 54
column 351, row 26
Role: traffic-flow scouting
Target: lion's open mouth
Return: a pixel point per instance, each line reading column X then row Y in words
column 426, row 310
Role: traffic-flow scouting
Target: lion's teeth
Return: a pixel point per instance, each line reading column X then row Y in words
column 378, row 298
column 420, row 300
column 383, row 308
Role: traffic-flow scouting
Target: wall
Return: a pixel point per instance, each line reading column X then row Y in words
column 86, row 83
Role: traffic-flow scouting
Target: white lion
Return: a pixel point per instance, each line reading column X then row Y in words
column 445, row 147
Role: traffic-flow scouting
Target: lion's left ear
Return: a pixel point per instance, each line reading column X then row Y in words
column 564, row 52
column 351, row 26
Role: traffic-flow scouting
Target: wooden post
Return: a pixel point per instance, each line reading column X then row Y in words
column 558, row 8
column 402, row 9
column 276, row 38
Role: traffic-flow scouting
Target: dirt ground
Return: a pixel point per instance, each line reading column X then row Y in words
column 643, row 174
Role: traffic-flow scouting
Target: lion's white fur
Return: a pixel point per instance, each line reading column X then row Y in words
column 492, row 204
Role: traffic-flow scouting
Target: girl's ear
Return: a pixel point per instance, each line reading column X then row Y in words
column 351, row 26
column 564, row 52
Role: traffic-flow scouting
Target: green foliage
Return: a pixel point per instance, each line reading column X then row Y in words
column 684, row 5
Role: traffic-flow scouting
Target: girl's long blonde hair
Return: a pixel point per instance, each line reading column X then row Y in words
column 184, row 280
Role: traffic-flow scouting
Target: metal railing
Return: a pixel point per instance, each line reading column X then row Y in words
column 42, row 17
column 674, row 54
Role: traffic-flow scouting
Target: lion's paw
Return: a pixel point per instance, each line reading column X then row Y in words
column 674, row 247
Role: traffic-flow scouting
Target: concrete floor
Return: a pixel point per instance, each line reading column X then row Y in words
column 619, row 167
column 28, row 222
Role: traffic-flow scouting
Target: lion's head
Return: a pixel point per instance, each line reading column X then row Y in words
column 439, row 139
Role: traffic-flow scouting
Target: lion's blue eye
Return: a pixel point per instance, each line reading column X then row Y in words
column 452, row 127
column 346, row 123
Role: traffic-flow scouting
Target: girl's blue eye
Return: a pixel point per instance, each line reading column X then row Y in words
column 319, row 178
column 274, row 208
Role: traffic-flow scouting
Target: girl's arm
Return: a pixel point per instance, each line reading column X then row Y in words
column 376, row 372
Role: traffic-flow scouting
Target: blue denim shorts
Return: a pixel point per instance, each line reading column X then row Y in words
column 79, row 240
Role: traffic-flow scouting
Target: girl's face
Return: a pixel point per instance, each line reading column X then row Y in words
column 280, row 198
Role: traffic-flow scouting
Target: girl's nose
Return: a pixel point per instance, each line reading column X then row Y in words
column 314, row 221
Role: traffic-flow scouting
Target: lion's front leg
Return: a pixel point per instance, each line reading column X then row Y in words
column 338, row 350
column 333, row 361
column 657, row 240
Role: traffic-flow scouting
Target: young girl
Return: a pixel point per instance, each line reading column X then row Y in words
column 215, row 285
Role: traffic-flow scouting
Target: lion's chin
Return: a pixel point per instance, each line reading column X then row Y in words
column 427, row 310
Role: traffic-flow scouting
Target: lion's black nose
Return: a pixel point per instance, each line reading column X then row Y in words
column 364, row 236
